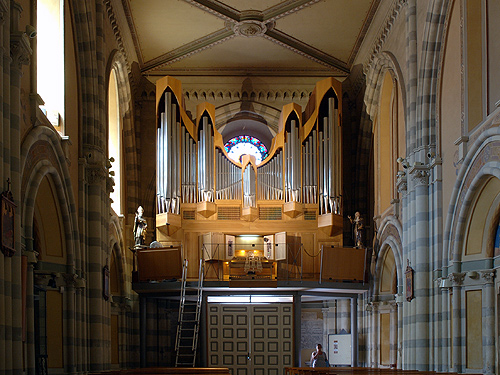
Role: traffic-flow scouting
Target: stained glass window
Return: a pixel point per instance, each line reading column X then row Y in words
column 246, row 145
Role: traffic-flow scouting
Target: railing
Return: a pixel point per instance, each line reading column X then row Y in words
column 256, row 261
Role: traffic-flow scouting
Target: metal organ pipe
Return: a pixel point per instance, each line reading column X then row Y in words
column 314, row 166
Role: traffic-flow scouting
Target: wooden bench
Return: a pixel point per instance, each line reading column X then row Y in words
column 357, row 371
column 168, row 370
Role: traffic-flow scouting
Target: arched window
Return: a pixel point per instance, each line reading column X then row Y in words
column 114, row 141
column 246, row 145
column 50, row 59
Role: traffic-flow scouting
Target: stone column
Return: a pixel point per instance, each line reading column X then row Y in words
column 393, row 354
column 420, row 176
column 354, row 331
column 20, row 52
column 488, row 315
column 375, row 342
column 457, row 334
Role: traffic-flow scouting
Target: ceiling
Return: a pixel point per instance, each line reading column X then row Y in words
column 243, row 37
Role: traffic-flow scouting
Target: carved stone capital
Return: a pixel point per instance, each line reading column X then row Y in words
column 20, row 50
column 419, row 175
column 488, row 276
column 3, row 11
column 95, row 174
column 402, row 182
column 457, row 278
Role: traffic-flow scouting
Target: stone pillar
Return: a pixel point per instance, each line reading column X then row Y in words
column 143, row 314
column 393, row 354
column 354, row 331
column 457, row 334
column 375, row 341
column 20, row 52
column 488, row 315
column 420, row 177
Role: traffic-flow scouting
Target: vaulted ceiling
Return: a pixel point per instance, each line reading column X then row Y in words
column 243, row 37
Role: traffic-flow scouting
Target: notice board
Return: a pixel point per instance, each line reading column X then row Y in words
column 339, row 350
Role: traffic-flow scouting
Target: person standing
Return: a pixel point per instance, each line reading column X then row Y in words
column 318, row 357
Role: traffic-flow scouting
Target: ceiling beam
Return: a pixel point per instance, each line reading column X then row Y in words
column 286, row 8
column 306, row 50
column 188, row 49
column 216, row 8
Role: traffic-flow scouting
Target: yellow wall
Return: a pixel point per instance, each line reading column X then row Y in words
column 49, row 224
column 474, row 333
column 450, row 104
column 385, row 339
column 388, row 273
column 474, row 63
column 384, row 146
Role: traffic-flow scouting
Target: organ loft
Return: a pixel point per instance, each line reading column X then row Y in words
column 271, row 219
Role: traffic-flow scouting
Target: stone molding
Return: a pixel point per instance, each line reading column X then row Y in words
column 20, row 50
column 419, row 175
column 457, row 278
column 380, row 41
column 488, row 276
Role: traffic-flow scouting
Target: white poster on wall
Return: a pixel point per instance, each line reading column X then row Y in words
column 339, row 350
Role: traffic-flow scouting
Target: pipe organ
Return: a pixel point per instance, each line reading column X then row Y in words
column 206, row 152
column 188, row 170
column 168, row 160
column 329, row 156
column 228, row 178
column 249, row 180
column 292, row 163
column 303, row 169
column 271, row 178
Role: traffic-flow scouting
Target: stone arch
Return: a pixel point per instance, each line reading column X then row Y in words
column 389, row 238
column 116, row 247
column 41, row 155
column 118, row 64
column 481, row 164
column 383, row 63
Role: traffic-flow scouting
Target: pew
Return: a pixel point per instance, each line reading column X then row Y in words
column 358, row 371
column 168, row 371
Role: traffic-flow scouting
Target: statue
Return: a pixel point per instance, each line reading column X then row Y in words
column 358, row 229
column 140, row 227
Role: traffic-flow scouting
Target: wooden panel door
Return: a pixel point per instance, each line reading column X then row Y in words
column 250, row 339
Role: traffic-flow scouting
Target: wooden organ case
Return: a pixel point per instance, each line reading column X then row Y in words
column 296, row 190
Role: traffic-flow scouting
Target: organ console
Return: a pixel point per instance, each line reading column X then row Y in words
column 301, row 177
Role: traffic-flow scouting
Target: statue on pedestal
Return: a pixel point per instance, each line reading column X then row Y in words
column 140, row 227
column 359, row 228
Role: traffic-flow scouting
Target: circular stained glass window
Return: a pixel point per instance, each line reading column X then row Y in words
column 246, row 145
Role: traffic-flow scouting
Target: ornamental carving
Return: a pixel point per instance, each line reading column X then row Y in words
column 95, row 175
column 488, row 275
column 402, row 182
column 419, row 176
column 20, row 50
column 456, row 278
column 250, row 28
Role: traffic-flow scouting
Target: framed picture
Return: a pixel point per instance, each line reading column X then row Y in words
column 7, row 224
column 409, row 282
column 105, row 283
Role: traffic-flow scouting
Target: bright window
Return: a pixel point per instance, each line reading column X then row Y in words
column 50, row 58
column 114, row 141
column 245, row 145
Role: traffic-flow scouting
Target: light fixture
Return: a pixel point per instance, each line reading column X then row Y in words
column 30, row 31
